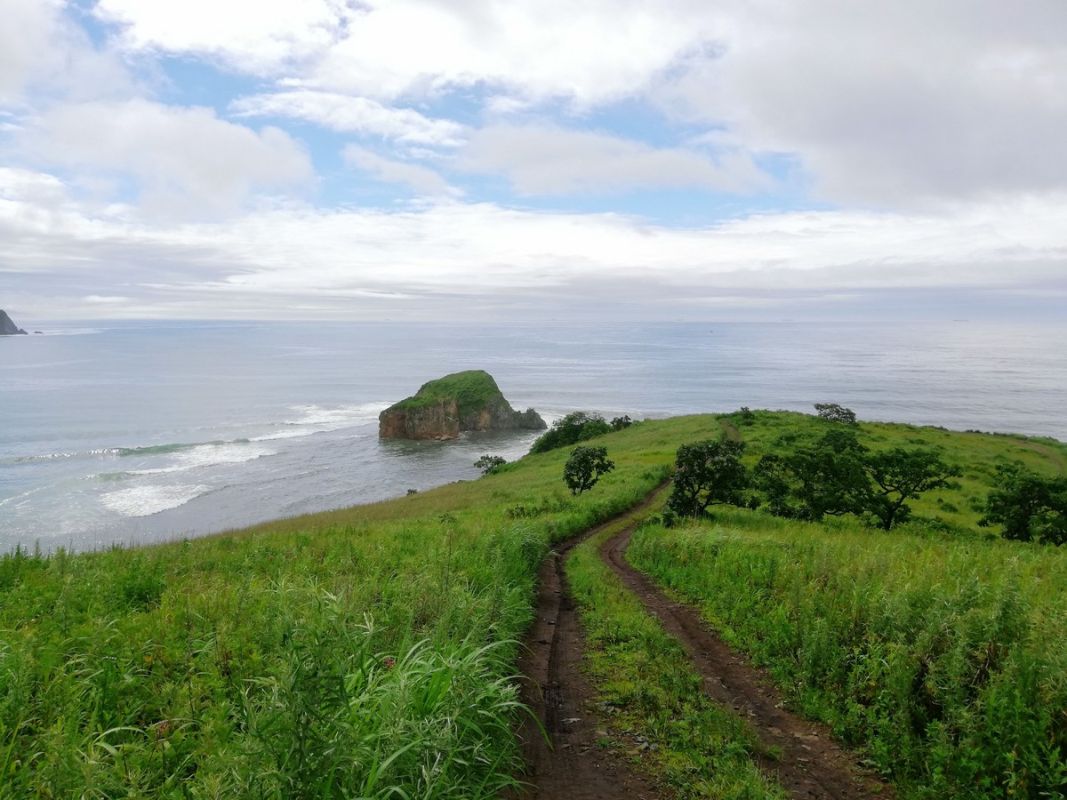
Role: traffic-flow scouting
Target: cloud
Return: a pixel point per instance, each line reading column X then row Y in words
column 588, row 53
column 422, row 180
column 541, row 159
column 42, row 53
column 186, row 160
column 347, row 114
column 257, row 36
column 897, row 105
column 891, row 104
column 447, row 257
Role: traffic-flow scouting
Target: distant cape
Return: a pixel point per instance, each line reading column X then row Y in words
column 7, row 326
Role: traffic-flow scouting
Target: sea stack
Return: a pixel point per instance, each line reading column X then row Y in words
column 448, row 406
column 7, row 327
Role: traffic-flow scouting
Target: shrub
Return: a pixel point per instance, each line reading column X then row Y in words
column 577, row 426
column 832, row 412
column 618, row 423
column 490, row 464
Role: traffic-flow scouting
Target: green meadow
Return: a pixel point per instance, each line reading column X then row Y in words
column 937, row 648
column 370, row 652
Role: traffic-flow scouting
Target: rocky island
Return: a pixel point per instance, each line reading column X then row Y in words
column 448, row 406
column 7, row 326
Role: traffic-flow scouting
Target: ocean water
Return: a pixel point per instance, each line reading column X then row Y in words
column 138, row 432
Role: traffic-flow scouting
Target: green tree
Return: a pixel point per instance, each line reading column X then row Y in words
column 618, row 423
column 832, row 412
column 705, row 474
column 825, row 477
column 1028, row 506
column 578, row 426
column 901, row 474
column 585, row 467
column 490, row 464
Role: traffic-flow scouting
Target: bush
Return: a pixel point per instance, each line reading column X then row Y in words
column 578, row 426
column 585, row 467
column 490, row 464
column 618, row 423
column 832, row 412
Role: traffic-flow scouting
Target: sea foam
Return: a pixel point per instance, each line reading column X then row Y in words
column 143, row 501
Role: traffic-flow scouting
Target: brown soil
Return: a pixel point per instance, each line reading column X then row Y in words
column 807, row 762
column 570, row 764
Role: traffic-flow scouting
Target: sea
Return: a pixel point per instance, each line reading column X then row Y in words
column 127, row 433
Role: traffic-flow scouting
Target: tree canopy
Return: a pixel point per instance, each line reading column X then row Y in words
column 1028, row 506
column 585, row 467
column 708, row 473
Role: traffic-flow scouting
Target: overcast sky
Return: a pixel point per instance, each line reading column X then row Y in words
column 439, row 159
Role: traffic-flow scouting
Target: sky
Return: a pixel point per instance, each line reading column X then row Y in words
column 533, row 159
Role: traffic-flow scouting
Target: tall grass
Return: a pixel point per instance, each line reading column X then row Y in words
column 361, row 653
column 364, row 652
column 944, row 657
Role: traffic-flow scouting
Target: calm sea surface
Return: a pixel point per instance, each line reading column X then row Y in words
column 136, row 432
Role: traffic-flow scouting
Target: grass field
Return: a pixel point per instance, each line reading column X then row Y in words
column 939, row 649
column 368, row 652
column 341, row 654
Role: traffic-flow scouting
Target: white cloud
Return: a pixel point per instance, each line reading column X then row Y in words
column 186, row 160
column 447, row 255
column 551, row 160
column 35, row 189
column 422, row 180
column 886, row 104
column 347, row 114
column 892, row 104
column 43, row 52
column 24, row 37
column 258, row 36
column 589, row 52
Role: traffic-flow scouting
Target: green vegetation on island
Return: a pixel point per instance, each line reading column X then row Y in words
column 445, row 407
column 369, row 652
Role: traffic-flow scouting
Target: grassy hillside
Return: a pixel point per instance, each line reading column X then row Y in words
column 366, row 652
column 338, row 654
column 937, row 647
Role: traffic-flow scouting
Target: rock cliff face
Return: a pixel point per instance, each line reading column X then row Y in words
column 7, row 327
column 444, row 408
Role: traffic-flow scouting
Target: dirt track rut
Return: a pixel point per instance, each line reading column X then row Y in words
column 571, row 764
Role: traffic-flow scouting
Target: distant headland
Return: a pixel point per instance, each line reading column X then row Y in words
column 7, row 325
column 448, row 406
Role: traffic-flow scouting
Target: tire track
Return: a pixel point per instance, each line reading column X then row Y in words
column 570, row 765
column 808, row 763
